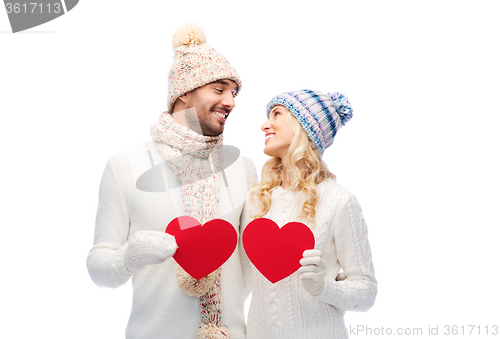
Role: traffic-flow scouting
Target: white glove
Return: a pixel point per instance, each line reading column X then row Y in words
column 313, row 271
column 148, row 248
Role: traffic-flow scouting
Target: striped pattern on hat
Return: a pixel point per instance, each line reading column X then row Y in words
column 195, row 64
column 321, row 115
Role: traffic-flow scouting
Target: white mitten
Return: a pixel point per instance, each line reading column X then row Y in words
column 313, row 271
column 148, row 248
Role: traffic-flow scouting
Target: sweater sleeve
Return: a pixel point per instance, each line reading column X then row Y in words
column 105, row 259
column 358, row 291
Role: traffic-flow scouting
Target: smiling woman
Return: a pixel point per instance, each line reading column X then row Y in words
column 296, row 185
column 278, row 133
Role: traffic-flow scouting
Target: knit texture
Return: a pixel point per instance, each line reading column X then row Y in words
column 148, row 248
column 195, row 64
column 321, row 115
column 160, row 309
column 285, row 309
column 197, row 163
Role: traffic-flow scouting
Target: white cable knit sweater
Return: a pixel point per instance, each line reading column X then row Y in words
column 285, row 309
column 160, row 308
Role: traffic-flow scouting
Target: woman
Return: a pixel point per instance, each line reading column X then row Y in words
column 296, row 185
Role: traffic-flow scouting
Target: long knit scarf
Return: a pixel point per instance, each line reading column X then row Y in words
column 197, row 162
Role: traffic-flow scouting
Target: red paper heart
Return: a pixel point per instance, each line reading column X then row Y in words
column 275, row 251
column 202, row 249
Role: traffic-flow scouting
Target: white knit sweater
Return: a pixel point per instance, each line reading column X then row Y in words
column 160, row 308
column 285, row 309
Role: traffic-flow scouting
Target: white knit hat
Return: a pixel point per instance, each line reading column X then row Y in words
column 195, row 64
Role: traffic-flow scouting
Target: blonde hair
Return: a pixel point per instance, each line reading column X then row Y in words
column 314, row 171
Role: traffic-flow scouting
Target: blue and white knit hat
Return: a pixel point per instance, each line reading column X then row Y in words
column 321, row 115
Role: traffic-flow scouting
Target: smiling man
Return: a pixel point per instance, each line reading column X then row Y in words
column 182, row 171
column 205, row 109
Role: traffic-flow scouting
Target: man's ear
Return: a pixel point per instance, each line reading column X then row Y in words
column 185, row 97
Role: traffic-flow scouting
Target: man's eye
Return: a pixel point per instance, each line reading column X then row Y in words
column 218, row 90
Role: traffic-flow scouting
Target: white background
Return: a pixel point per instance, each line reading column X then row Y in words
column 420, row 154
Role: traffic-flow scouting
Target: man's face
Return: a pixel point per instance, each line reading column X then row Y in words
column 212, row 103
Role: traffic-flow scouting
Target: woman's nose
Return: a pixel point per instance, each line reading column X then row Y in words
column 265, row 125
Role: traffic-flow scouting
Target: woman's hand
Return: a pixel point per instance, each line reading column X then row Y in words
column 313, row 271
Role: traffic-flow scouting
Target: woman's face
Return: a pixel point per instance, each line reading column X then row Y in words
column 278, row 134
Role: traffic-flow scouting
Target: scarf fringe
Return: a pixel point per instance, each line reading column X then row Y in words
column 193, row 287
column 210, row 331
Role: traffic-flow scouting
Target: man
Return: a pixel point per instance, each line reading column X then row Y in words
column 184, row 170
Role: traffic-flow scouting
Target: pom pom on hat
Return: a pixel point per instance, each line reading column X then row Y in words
column 342, row 106
column 188, row 34
column 321, row 115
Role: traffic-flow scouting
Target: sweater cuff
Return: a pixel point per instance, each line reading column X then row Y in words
column 119, row 262
column 330, row 292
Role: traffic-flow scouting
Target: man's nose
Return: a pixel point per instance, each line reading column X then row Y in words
column 228, row 101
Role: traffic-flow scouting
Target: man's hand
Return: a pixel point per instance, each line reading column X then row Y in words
column 313, row 271
column 148, row 248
